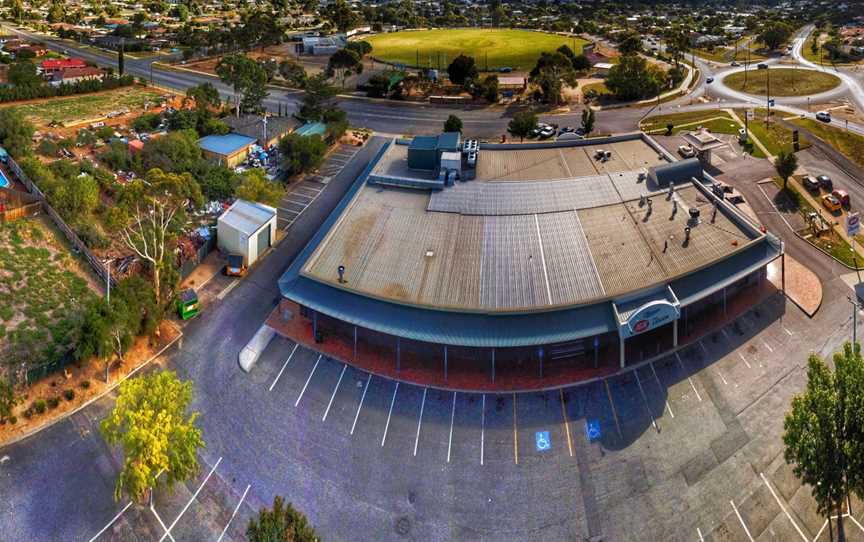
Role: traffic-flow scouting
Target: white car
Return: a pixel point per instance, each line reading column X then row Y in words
column 686, row 151
column 824, row 116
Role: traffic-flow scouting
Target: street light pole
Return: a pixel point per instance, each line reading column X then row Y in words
column 855, row 307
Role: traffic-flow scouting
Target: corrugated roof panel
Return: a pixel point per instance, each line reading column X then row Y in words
column 512, row 268
column 570, row 267
column 247, row 217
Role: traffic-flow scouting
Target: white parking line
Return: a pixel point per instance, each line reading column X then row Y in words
column 669, row 408
column 780, row 504
column 683, row 370
column 353, row 425
column 482, row 427
column 740, row 355
column 297, row 402
column 221, row 295
column 699, row 532
column 291, row 355
column 110, row 523
column 420, row 421
column 787, row 331
column 723, row 378
column 236, row 508
column 389, row 414
column 768, row 346
column 452, row 416
column 330, row 403
column 191, row 500
column 162, row 523
column 746, row 530
column 645, row 400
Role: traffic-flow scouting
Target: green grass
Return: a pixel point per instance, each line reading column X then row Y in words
column 517, row 49
column 727, row 54
column 784, row 81
column 774, row 136
column 851, row 145
column 86, row 106
column 659, row 122
column 42, row 300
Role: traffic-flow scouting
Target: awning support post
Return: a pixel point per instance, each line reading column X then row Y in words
column 540, row 354
column 355, row 343
column 493, row 365
column 675, row 333
column 783, row 273
column 315, row 326
column 724, row 301
column 445, row 363
column 398, row 354
column 621, row 349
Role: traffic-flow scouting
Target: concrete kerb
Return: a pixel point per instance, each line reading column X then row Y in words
column 92, row 400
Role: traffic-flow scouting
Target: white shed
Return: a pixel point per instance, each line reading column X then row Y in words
column 246, row 229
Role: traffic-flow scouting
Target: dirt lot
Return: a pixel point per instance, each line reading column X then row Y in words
column 312, row 64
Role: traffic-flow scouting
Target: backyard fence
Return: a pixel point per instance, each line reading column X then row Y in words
column 20, row 212
column 187, row 267
column 97, row 265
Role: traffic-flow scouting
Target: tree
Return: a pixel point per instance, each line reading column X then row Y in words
column 522, row 124
column 342, row 16
column 254, row 186
column 634, row 78
column 77, row 197
column 302, row 153
column 23, row 74
column 318, row 93
column 206, row 97
column 151, row 424
column 581, row 63
column 823, row 432
column 147, row 122
column 774, row 34
column 361, row 47
column 453, row 124
column 174, row 152
column 490, row 89
column 461, row 69
column 293, row 73
column 158, row 217
column 344, row 60
column 550, row 72
column 8, row 399
column 16, row 132
column 785, row 163
column 247, row 78
column 218, row 183
column 281, row 524
column 630, row 44
column 588, row 120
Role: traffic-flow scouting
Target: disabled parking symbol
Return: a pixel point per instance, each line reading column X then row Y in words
column 542, row 441
column 592, row 430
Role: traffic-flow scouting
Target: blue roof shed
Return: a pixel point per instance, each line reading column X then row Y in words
column 225, row 145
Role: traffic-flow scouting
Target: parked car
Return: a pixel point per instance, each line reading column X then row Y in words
column 824, row 116
column 687, row 151
column 810, row 183
column 843, row 196
column 546, row 132
column 709, row 80
column 762, row 66
column 830, row 202
column 825, row 183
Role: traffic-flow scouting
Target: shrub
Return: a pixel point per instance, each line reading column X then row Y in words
column 28, row 413
column 53, row 402
column 39, row 406
column 13, row 420
column 69, row 394
column 85, row 384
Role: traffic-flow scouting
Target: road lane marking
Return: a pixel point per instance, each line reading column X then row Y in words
column 746, row 530
column 335, row 389
column 359, row 406
column 645, row 401
column 234, row 513
column 515, row 433
column 389, row 414
column 110, row 523
column 669, row 408
column 452, row 416
column 482, row 427
column 566, row 425
column 780, row 504
column 740, row 355
column 192, row 499
column 317, row 361
column 420, row 421
column 614, row 412
column 690, row 380
column 291, row 355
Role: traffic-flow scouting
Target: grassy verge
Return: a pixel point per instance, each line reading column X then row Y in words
column 774, row 136
column 659, row 122
column 851, row 145
column 784, row 81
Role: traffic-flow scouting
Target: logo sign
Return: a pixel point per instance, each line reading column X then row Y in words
column 542, row 441
column 650, row 316
column 853, row 224
column 592, row 430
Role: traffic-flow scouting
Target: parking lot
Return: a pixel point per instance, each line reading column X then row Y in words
column 300, row 195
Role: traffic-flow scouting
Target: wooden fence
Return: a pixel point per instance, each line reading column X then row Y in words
column 97, row 265
column 20, row 212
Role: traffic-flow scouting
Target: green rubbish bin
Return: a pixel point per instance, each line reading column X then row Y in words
column 187, row 304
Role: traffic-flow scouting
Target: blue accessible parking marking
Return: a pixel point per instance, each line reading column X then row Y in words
column 592, row 430
column 542, row 441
